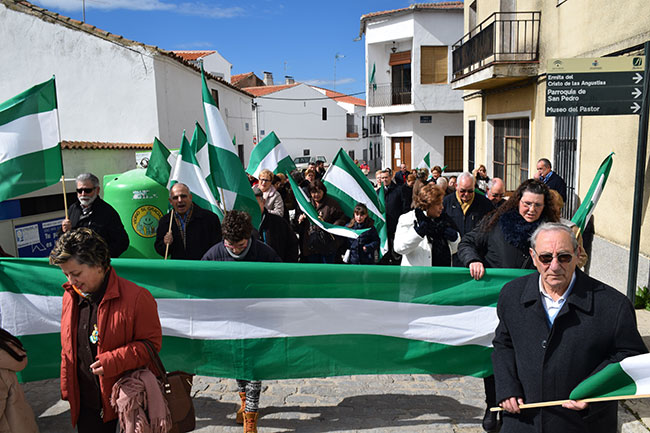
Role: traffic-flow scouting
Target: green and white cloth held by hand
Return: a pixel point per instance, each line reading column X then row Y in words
column 629, row 377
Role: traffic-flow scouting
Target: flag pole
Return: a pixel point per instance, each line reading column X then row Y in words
column 171, row 220
column 559, row 402
column 65, row 198
column 58, row 130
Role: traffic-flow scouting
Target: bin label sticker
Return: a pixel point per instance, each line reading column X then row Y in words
column 145, row 220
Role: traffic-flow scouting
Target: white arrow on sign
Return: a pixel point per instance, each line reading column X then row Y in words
column 636, row 93
column 637, row 78
column 635, row 107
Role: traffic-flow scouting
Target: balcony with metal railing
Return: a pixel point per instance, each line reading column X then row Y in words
column 503, row 48
column 385, row 95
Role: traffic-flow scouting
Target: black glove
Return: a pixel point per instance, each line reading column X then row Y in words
column 450, row 234
column 423, row 225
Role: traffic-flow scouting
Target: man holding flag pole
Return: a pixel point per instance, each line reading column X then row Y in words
column 557, row 327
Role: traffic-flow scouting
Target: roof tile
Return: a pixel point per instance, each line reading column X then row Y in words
column 193, row 54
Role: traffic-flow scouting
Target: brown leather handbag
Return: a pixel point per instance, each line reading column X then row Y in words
column 177, row 389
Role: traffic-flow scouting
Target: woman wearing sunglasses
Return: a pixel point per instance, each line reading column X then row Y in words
column 502, row 241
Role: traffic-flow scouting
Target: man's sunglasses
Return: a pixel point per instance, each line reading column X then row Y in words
column 86, row 190
column 548, row 258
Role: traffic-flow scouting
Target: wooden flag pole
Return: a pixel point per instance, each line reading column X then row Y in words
column 65, row 198
column 559, row 402
column 171, row 220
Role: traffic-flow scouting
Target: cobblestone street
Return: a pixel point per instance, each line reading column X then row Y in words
column 380, row 404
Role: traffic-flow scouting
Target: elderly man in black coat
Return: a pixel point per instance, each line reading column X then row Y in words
column 557, row 327
column 193, row 231
column 466, row 208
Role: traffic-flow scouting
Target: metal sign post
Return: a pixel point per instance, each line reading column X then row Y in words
column 641, row 153
column 607, row 86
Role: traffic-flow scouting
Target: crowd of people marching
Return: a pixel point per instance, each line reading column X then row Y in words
column 431, row 220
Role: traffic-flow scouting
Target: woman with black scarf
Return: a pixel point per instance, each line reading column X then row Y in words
column 501, row 241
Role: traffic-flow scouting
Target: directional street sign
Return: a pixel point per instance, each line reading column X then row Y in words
column 595, row 87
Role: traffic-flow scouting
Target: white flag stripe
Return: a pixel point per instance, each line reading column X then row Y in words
column 203, row 158
column 28, row 134
column 191, row 175
column 271, row 160
column 26, row 314
column 348, row 184
column 638, row 368
column 217, row 131
column 227, row 319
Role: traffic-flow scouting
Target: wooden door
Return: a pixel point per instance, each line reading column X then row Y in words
column 401, row 152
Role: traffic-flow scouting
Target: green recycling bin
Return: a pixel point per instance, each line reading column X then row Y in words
column 141, row 202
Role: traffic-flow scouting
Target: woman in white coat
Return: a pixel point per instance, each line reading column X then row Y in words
column 426, row 236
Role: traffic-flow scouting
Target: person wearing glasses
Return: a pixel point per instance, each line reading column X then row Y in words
column 496, row 191
column 558, row 326
column 502, row 241
column 93, row 212
column 465, row 207
column 272, row 199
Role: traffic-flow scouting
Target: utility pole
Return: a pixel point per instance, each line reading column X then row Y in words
column 83, row 10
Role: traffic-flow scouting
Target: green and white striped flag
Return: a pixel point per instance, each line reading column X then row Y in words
column 161, row 163
column 309, row 210
column 426, row 162
column 226, row 170
column 582, row 215
column 30, row 151
column 629, row 377
column 347, row 184
column 249, row 321
column 271, row 155
column 188, row 171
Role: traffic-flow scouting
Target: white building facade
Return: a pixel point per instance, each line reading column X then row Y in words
column 408, row 71
column 310, row 121
column 110, row 89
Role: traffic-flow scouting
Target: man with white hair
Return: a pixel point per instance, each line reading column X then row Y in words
column 465, row 207
column 558, row 326
column 93, row 212
column 496, row 191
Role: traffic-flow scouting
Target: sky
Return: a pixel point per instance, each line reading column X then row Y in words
column 300, row 38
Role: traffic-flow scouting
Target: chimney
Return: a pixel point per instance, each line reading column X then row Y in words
column 268, row 78
column 288, row 79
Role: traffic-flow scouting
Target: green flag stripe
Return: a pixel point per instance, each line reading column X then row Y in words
column 38, row 99
column 346, row 189
column 373, row 354
column 441, row 286
column 609, row 382
column 159, row 168
column 45, row 168
column 582, row 215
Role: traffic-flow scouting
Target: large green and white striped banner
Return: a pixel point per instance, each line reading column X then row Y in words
column 279, row 321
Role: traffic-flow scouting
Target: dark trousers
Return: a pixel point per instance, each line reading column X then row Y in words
column 90, row 421
column 490, row 391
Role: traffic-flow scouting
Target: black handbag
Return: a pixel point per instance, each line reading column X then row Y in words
column 177, row 389
column 320, row 241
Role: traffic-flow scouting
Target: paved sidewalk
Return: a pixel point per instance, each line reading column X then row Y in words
column 379, row 404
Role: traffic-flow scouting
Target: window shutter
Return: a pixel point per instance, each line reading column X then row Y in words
column 433, row 65
column 402, row 58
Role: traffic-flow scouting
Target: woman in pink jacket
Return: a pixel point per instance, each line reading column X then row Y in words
column 103, row 321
